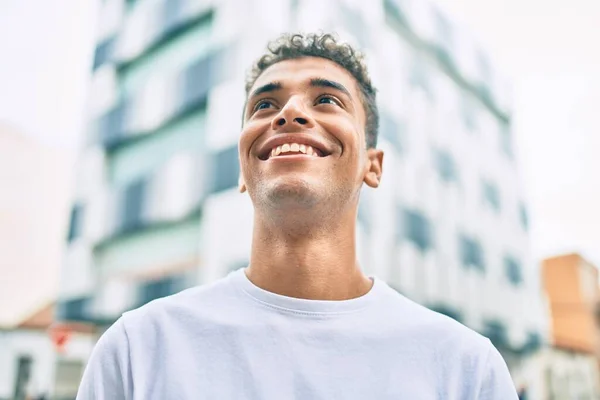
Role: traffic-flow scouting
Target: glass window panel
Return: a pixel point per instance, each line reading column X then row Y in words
column 140, row 158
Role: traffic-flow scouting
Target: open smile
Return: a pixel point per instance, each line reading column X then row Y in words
column 292, row 149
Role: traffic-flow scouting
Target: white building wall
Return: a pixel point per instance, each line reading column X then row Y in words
column 38, row 345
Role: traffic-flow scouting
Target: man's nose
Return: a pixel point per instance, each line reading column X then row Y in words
column 294, row 113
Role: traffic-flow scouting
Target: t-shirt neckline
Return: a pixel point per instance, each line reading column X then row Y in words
column 292, row 304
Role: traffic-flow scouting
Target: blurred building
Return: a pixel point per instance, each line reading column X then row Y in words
column 29, row 367
column 35, row 182
column 157, row 208
column 572, row 363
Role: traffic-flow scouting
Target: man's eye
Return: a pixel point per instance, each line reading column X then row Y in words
column 262, row 105
column 327, row 100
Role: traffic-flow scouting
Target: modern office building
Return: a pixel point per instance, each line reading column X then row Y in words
column 157, row 208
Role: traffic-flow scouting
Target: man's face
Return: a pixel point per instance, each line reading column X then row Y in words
column 303, row 140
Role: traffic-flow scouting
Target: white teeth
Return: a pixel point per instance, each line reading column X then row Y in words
column 294, row 148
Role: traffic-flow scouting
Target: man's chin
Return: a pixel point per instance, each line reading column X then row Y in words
column 292, row 194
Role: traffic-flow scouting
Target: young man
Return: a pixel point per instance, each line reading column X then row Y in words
column 301, row 321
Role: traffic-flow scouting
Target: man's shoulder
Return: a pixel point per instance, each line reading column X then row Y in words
column 435, row 327
column 190, row 304
column 456, row 353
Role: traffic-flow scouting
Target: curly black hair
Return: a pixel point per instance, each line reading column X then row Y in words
column 296, row 45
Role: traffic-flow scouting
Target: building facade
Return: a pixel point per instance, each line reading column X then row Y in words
column 157, row 208
column 572, row 362
column 34, row 205
column 31, row 366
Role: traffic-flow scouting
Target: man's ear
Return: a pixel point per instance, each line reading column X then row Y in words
column 375, row 167
column 241, row 184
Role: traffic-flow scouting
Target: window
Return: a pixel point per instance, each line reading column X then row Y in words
column 156, row 289
column 74, row 309
column 393, row 10
column 496, row 331
column 175, row 53
column 469, row 112
column 132, row 206
column 24, row 364
column 513, row 270
column 491, row 195
column 420, row 76
column 76, row 222
column 226, row 168
column 506, row 140
column 485, row 73
column 196, row 82
column 417, row 229
column 533, row 343
column 444, row 163
column 471, row 253
column 524, row 217
column 146, row 112
column 485, row 68
column 149, row 110
column 391, row 130
column 444, row 37
column 110, row 125
column 103, row 52
column 134, row 160
column 294, row 6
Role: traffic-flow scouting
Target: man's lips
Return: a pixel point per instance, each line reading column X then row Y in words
column 293, row 157
column 284, row 144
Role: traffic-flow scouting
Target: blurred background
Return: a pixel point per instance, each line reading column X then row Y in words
column 119, row 122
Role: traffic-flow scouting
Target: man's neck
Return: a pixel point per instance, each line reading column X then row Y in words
column 319, row 264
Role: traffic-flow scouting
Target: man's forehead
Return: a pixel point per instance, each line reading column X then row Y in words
column 301, row 70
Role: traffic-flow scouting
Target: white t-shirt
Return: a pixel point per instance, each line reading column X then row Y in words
column 234, row 340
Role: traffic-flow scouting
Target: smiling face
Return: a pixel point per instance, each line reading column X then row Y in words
column 303, row 139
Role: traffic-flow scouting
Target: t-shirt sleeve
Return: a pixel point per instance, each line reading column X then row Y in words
column 496, row 383
column 108, row 372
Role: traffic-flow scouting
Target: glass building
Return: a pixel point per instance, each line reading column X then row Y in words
column 157, row 208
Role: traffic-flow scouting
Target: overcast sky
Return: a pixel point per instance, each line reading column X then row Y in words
column 546, row 47
column 550, row 51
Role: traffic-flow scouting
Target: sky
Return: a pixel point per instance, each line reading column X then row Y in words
column 545, row 47
column 549, row 50
column 45, row 55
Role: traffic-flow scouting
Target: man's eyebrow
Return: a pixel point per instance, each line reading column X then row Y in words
column 269, row 87
column 326, row 83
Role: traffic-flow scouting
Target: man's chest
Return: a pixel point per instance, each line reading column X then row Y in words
column 284, row 368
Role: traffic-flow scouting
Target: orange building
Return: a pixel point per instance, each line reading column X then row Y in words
column 571, row 285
